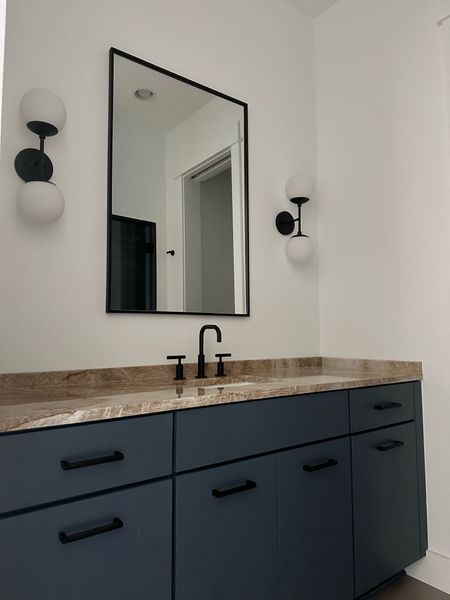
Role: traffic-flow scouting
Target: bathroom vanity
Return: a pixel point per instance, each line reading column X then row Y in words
column 314, row 495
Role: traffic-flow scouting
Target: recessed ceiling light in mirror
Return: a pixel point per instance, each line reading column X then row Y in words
column 144, row 94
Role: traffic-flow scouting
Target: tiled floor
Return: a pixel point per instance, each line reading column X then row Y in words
column 410, row 589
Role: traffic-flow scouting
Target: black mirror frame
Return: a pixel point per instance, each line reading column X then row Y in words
column 113, row 52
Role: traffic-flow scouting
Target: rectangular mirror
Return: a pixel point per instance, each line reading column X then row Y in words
column 178, row 194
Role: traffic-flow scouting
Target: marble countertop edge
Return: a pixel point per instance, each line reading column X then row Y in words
column 138, row 402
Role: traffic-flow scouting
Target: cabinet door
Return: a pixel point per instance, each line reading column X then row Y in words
column 112, row 547
column 315, row 522
column 386, row 504
column 226, row 533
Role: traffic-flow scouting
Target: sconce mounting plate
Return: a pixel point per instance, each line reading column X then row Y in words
column 33, row 165
column 285, row 223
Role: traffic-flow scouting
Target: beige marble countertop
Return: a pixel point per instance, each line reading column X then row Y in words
column 35, row 400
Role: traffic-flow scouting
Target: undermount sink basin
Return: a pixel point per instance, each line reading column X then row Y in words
column 228, row 385
column 226, row 382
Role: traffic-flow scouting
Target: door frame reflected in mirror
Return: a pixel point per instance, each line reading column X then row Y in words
column 245, row 275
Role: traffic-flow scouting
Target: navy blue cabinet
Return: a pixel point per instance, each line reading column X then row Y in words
column 54, row 464
column 116, row 547
column 386, row 504
column 314, row 497
column 315, row 522
column 226, row 532
column 381, row 405
column 217, row 434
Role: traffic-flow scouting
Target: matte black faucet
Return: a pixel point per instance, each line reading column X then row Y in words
column 201, row 348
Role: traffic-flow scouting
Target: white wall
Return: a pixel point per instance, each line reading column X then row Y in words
column 139, row 184
column 383, row 190
column 208, row 131
column 2, row 51
column 53, row 280
column 384, row 211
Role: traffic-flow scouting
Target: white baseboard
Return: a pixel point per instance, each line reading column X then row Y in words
column 434, row 570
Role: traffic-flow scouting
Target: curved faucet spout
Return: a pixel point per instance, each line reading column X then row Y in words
column 201, row 348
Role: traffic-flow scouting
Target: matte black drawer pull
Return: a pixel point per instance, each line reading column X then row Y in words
column 65, row 538
column 387, row 405
column 389, row 446
column 90, row 462
column 319, row 466
column 249, row 485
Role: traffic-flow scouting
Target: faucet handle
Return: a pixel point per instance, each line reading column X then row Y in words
column 220, row 364
column 179, row 375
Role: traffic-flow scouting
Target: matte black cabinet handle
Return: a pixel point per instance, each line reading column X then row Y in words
column 248, row 485
column 66, row 538
column 90, row 462
column 390, row 445
column 387, row 405
column 319, row 466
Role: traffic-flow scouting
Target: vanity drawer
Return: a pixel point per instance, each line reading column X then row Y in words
column 115, row 546
column 218, row 434
column 380, row 406
column 44, row 466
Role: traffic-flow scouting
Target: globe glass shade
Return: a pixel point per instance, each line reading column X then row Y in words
column 45, row 106
column 40, row 202
column 299, row 248
column 299, row 186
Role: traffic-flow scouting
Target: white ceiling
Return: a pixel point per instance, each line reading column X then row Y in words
column 312, row 8
column 173, row 102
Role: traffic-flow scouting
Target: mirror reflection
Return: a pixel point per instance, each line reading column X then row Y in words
column 178, row 194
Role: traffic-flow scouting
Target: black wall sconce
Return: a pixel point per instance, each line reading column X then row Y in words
column 40, row 201
column 299, row 190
